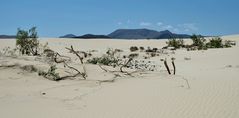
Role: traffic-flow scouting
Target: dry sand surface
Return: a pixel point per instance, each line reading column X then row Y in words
column 213, row 76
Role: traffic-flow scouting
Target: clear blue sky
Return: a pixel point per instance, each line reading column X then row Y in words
column 58, row 17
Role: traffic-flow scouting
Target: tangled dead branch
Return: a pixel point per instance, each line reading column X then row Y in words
column 57, row 58
column 77, row 53
column 83, row 74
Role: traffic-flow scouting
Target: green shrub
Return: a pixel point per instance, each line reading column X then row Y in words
column 133, row 55
column 104, row 60
column 228, row 43
column 141, row 48
column 134, row 48
column 50, row 74
column 198, row 41
column 151, row 50
column 27, row 41
column 175, row 43
column 215, row 43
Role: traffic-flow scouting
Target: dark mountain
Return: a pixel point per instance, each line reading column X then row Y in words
column 68, row 36
column 7, row 37
column 133, row 34
column 144, row 34
column 92, row 36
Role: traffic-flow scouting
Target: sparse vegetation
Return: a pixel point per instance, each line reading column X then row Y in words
column 134, row 48
column 141, row 48
column 50, row 74
column 215, row 43
column 150, row 50
column 176, row 43
column 133, row 55
column 27, row 41
column 198, row 41
column 104, row 60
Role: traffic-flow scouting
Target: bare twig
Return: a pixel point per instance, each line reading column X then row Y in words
column 70, row 67
column 76, row 53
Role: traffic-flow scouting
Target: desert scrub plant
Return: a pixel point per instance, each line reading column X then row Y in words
column 50, row 74
column 133, row 55
column 215, row 43
column 198, row 41
column 150, row 50
column 133, row 48
column 228, row 43
column 27, row 41
column 176, row 43
column 7, row 51
column 141, row 49
column 104, row 60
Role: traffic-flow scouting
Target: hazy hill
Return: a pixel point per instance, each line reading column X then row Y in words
column 92, row 36
column 144, row 34
column 7, row 37
column 68, row 36
column 132, row 34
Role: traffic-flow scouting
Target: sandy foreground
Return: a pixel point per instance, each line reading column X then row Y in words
column 213, row 76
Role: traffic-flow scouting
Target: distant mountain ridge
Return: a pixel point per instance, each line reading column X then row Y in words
column 145, row 34
column 92, row 36
column 132, row 34
column 68, row 36
column 7, row 37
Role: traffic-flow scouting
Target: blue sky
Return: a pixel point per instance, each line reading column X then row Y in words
column 54, row 18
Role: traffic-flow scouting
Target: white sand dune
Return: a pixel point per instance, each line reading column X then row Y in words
column 213, row 76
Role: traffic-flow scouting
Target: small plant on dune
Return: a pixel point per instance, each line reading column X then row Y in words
column 104, row 60
column 50, row 74
column 151, row 50
column 133, row 55
column 175, row 43
column 215, row 43
column 27, row 41
column 134, row 48
column 109, row 59
column 141, row 48
column 228, row 43
column 198, row 41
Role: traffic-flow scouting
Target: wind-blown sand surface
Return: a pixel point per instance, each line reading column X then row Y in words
column 213, row 76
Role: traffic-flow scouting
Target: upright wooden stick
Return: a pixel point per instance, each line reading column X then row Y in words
column 174, row 67
column 166, row 65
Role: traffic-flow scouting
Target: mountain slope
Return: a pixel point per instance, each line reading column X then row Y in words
column 144, row 34
column 7, row 36
column 68, row 36
column 92, row 36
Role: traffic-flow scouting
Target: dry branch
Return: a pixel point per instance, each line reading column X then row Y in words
column 83, row 74
column 76, row 53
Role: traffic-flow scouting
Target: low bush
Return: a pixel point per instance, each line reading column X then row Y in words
column 150, row 50
column 50, row 74
column 134, row 48
column 215, row 43
column 198, row 41
column 141, row 48
column 175, row 43
column 133, row 55
column 104, row 60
